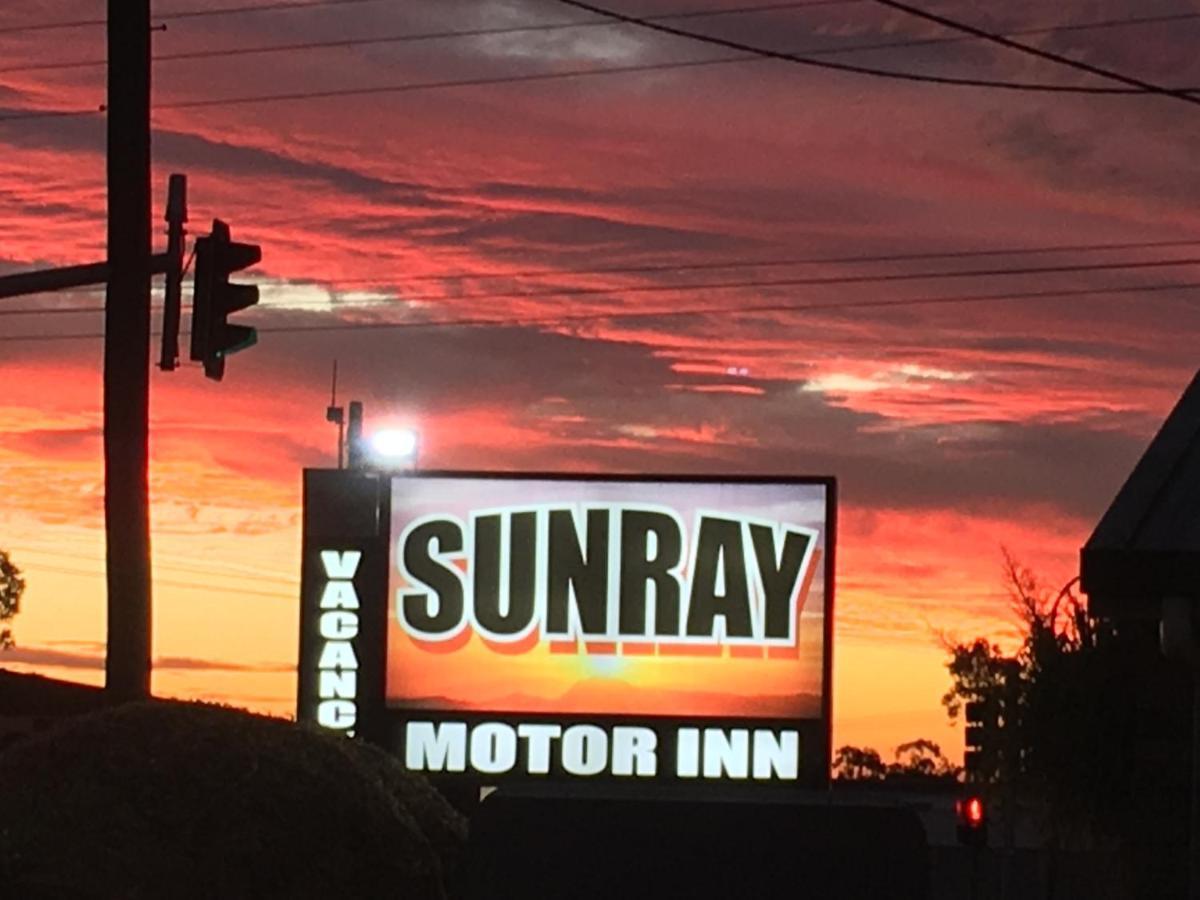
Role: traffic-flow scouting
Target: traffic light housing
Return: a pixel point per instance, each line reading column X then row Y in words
column 971, row 817
column 981, row 723
column 214, row 299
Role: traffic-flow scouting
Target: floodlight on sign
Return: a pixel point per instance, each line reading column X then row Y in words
column 395, row 447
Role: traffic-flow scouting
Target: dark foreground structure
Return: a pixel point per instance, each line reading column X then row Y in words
column 181, row 800
column 188, row 800
column 576, row 849
column 34, row 703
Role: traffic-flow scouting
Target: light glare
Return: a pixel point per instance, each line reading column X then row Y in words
column 394, row 444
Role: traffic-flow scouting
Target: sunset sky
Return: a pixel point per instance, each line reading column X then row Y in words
column 954, row 428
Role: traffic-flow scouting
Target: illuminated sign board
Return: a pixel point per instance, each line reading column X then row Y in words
column 653, row 630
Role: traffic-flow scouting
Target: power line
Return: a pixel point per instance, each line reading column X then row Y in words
column 569, row 319
column 52, row 26
column 771, row 262
column 285, row 5
column 587, row 73
column 1143, row 87
column 158, row 564
column 29, row 115
column 187, row 585
column 811, row 281
column 671, row 267
column 1039, row 87
column 1002, row 41
column 418, row 37
column 809, row 60
column 819, row 281
column 51, row 311
column 26, row 115
column 1022, row 32
column 776, row 262
column 46, row 338
column 278, row 6
column 425, row 36
column 83, row 535
column 581, row 318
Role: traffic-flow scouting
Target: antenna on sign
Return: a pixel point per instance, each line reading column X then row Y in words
column 335, row 414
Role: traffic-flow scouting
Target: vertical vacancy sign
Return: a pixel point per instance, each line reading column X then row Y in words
column 343, row 587
column 646, row 630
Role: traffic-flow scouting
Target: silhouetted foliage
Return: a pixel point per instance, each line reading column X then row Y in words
column 197, row 801
column 922, row 758
column 1079, row 703
column 916, row 762
column 858, row 764
column 977, row 670
column 12, row 586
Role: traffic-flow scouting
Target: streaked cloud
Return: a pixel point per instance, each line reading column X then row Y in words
column 950, row 425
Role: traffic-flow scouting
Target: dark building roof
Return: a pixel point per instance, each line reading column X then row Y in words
column 22, row 694
column 1147, row 544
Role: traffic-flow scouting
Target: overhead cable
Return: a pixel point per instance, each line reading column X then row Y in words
column 1138, row 87
column 207, row 572
column 420, row 37
column 817, row 280
column 286, row 6
column 775, row 262
column 187, row 585
column 205, row 12
column 666, row 313
column 744, row 284
column 1000, row 40
column 23, row 115
column 658, row 268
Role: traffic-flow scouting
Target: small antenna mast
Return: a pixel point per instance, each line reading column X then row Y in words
column 336, row 414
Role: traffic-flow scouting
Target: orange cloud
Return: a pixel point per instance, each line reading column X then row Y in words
column 953, row 428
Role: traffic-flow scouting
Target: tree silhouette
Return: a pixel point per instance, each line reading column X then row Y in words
column 193, row 801
column 922, row 758
column 12, row 586
column 858, row 764
column 917, row 761
column 977, row 671
column 1071, row 711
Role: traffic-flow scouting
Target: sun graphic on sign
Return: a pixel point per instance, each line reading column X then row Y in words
column 746, row 562
column 604, row 665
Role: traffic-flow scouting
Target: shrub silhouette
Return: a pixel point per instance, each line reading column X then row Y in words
column 183, row 800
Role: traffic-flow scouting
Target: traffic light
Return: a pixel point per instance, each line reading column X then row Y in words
column 213, row 337
column 981, row 724
column 972, row 821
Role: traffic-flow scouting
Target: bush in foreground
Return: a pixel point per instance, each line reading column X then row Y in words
column 183, row 800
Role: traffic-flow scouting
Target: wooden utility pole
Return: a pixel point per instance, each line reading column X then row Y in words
column 127, row 352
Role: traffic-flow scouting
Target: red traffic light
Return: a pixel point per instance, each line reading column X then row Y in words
column 971, row 812
column 972, row 828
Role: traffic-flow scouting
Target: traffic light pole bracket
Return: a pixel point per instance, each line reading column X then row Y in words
column 62, row 278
